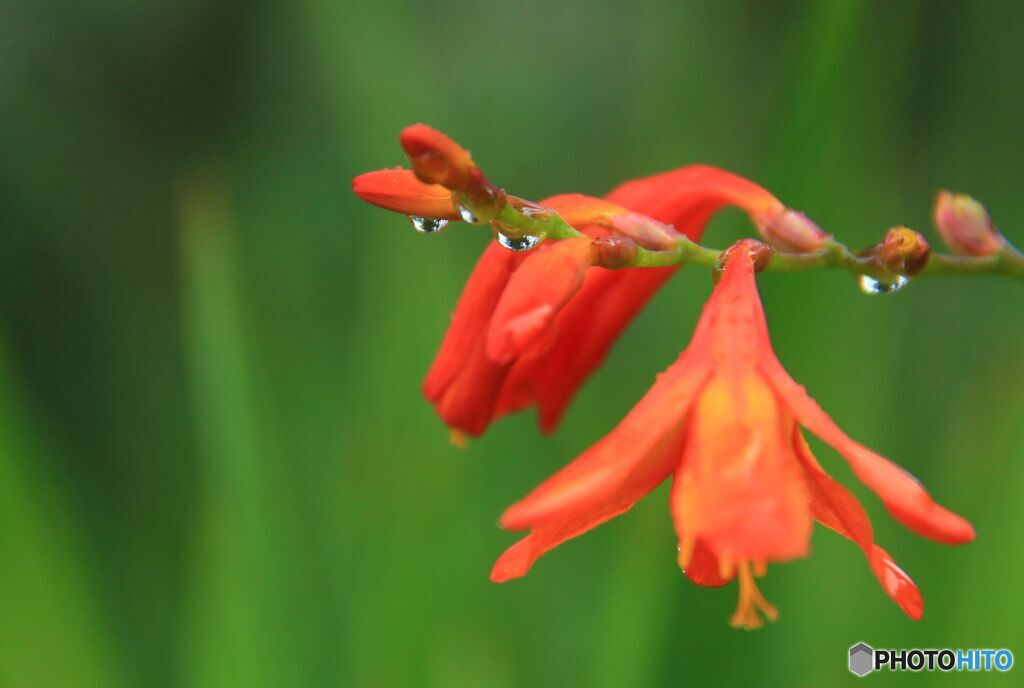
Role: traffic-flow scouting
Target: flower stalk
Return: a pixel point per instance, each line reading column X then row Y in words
column 1008, row 262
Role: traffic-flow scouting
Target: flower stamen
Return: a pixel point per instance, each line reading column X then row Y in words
column 752, row 603
column 457, row 438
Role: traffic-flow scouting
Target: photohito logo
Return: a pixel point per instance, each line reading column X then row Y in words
column 864, row 659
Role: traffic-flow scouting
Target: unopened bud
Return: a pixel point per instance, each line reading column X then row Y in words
column 965, row 225
column 436, row 159
column 904, row 251
column 646, row 232
column 614, row 251
column 792, row 231
column 401, row 191
column 760, row 253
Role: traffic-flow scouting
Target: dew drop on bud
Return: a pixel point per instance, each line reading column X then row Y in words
column 427, row 225
column 523, row 243
column 870, row 285
column 467, row 215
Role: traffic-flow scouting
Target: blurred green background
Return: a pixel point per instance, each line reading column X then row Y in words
column 216, row 468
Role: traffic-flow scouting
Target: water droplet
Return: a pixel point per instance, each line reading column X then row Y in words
column 870, row 285
column 427, row 225
column 523, row 243
column 467, row 215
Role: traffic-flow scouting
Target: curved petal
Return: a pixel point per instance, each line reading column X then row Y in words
column 836, row 508
column 621, row 458
column 573, row 509
column 694, row 191
column 901, row 493
column 399, row 190
column 542, row 285
column 584, row 332
column 463, row 382
column 467, row 402
column 580, row 210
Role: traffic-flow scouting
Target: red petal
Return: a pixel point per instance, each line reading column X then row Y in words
column 402, row 192
column 601, row 484
column 516, row 561
column 835, row 508
column 901, row 493
column 738, row 488
column 468, row 403
column 463, row 381
column 620, row 459
column 584, row 332
column 688, row 196
column 897, row 584
column 580, row 211
column 544, row 283
column 703, row 567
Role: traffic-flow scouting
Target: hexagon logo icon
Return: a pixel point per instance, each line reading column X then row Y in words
column 862, row 659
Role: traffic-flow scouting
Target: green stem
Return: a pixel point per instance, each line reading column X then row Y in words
column 548, row 225
column 516, row 220
column 1009, row 262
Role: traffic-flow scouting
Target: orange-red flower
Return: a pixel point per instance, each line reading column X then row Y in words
column 724, row 421
column 483, row 371
column 530, row 327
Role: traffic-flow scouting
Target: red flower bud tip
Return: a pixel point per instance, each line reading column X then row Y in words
column 399, row 190
column 791, row 230
column 614, row 251
column 649, row 233
column 760, row 253
column 965, row 225
column 904, row 251
column 436, row 159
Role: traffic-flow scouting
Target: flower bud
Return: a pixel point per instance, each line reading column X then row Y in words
column 614, row 251
column 791, row 230
column 760, row 252
column 648, row 233
column 436, row 159
column 399, row 190
column 965, row 225
column 904, row 251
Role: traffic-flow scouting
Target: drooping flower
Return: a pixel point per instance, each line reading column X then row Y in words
column 530, row 340
column 725, row 422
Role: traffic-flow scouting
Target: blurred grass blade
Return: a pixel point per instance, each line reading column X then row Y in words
column 51, row 633
column 238, row 635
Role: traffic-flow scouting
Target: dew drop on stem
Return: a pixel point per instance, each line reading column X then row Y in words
column 872, row 286
column 523, row 243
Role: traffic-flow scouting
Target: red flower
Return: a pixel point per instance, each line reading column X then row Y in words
column 529, row 328
column 472, row 385
column 724, row 420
